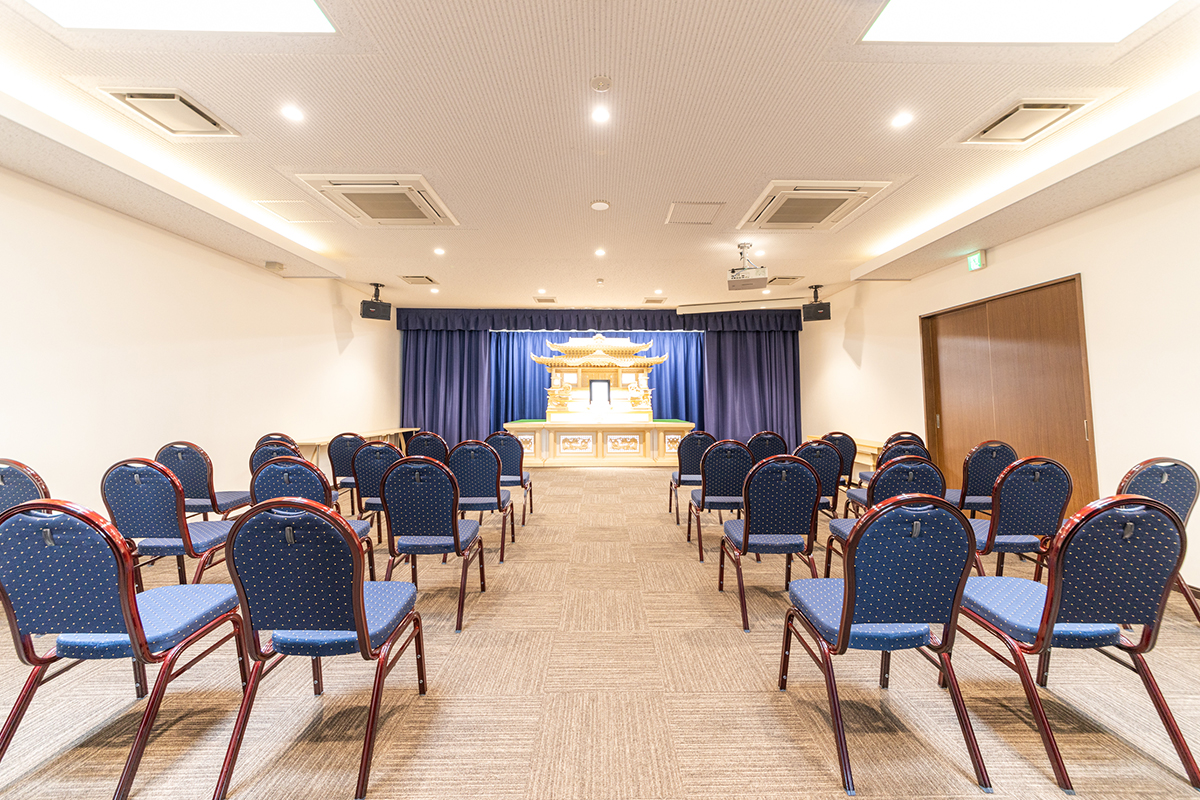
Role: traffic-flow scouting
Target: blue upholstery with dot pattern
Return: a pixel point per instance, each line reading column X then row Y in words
column 858, row 494
column 723, row 470
column 419, row 498
column 341, row 454
column 484, row 503
column 268, row 450
column 1004, row 544
column 781, row 498
column 763, row 543
column 716, row 502
column 848, row 449
column 691, row 449
column 1015, row 606
column 902, row 448
column 205, row 536
column 16, row 487
column 1171, row 483
column 345, row 483
column 386, row 604
column 841, row 527
column 686, row 480
column 972, row 503
column 826, row 459
column 983, row 466
column 427, row 444
column 905, row 477
column 371, row 462
column 142, row 502
column 226, row 501
column 765, row 444
column 820, row 601
column 296, row 478
column 866, row 475
column 512, row 459
column 169, row 615
column 476, row 467
column 1029, row 505
column 190, row 466
column 275, row 437
column 515, row 480
column 361, row 527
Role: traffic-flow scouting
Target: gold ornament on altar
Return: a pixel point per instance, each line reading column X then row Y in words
column 598, row 379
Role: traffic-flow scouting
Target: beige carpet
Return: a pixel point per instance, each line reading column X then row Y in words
column 603, row 663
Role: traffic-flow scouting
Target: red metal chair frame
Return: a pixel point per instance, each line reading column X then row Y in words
column 527, row 486
column 212, row 491
column 264, row 659
column 673, row 487
column 996, row 492
column 127, row 589
column 508, row 511
column 962, row 498
column 850, row 474
column 427, row 433
column 295, row 451
column 358, row 495
column 833, row 496
column 275, row 437
column 29, row 473
column 352, row 435
column 704, row 495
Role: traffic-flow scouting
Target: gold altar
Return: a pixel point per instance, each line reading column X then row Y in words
column 598, row 408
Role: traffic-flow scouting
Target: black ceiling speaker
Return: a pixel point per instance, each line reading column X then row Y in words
column 374, row 309
column 816, row 310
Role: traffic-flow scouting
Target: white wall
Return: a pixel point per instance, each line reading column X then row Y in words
column 118, row 338
column 1139, row 258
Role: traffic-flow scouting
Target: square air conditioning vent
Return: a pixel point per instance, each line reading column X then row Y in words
column 654, row 301
column 418, row 280
column 544, row 300
column 810, row 205
column 1025, row 122
column 783, row 280
column 381, row 201
column 168, row 111
column 692, row 213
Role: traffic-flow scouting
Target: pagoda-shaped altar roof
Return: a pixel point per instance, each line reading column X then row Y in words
column 599, row 351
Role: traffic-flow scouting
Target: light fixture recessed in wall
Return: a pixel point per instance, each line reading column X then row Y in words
column 437, row 251
column 599, row 252
column 293, row 113
column 901, row 119
column 600, row 114
column 600, row 205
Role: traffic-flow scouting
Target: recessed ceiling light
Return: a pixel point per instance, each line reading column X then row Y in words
column 435, row 290
column 600, row 114
column 599, row 281
column 601, row 83
column 760, row 252
column 901, row 119
column 658, row 291
column 541, row 291
column 1013, row 21
column 599, row 252
column 439, row 251
column 292, row 113
column 226, row 16
column 600, row 205
column 766, row 291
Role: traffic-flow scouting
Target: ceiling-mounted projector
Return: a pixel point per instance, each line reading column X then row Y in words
column 749, row 275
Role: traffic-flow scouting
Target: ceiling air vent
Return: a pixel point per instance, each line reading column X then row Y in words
column 169, row 111
column 692, row 213
column 418, row 280
column 810, row 205
column 544, row 300
column 654, row 301
column 783, row 280
column 1024, row 122
column 381, row 201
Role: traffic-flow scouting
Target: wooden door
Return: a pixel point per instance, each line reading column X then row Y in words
column 1013, row 368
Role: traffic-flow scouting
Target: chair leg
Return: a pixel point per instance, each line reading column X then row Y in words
column 239, row 730
column 1040, row 720
column 999, row 564
column 393, row 562
column 445, row 557
column 512, row 524
column 524, row 505
column 787, row 571
column 979, row 566
column 318, row 677
column 885, row 668
column 531, row 498
column 382, row 668
column 182, row 570
column 139, row 679
column 1043, row 668
column 676, row 490
column 699, row 536
column 689, row 530
column 503, row 531
column 369, row 550
column 964, row 722
column 835, row 713
column 737, row 565
column 1181, row 584
column 205, row 559
column 1168, row 720
column 21, row 706
column 412, row 560
column 670, row 493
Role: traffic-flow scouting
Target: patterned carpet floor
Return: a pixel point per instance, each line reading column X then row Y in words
column 603, row 664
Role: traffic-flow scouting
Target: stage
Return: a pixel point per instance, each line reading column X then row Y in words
column 600, row 443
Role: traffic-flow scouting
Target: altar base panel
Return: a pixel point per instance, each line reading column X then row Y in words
column 600, row 444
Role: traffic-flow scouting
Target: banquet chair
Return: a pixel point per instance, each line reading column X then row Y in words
column 894, row 448
column 780, row 499
column 906, row 563
column 273, row 449
column 903, row 475
column 19, row 483
column 981, row 467
column 191, row 465
column 298, row 570
column 1110, row 566
column 420, row 503
column 723, row 471
column 145, row 502
column 1174, row 483
column 427, row 443
column 826, row 460
column 512, row 466
column 276, row 437
column 765, row 444
column 1028, row 501
column 66, row 571
column 476, row 467
column 341, row 459
column 288, row 476
column 690, row 451
column 849, row 450
column 369, row 463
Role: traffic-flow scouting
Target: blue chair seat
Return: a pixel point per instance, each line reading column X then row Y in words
column 712, row 503
column 865, row 477
column 361, row 527
column 372, row 504
column 820, row 601
column 825, row 502
column 169, row 615
column 686, row 480
column 857, row 495
column 841, row 527
column 386, row 603
column 1003, row 544
column 484, row 503
column 205, row 536
column 468, row 530
column 345, row 483
column 225, row 502
column 763, row 542
column 974, row 502
column 1015, row 605
column 513, row 480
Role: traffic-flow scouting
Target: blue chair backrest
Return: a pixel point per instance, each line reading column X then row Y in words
column 907, row 559
column 511, row 452
column 288, row 476
column 1116, row 560
column 1167, row 480
column 275, row 437
column 190, row 465
column 983, row 466
column 781, row 497
column 846, row 446
column 476, row 467
column 691, row 449
column 18, row 483
column 268, row 450
column 420, row 498
column 902, row 436
column 906, row 475
column 1030, row 498
column 765, row 444
column 904, row 447
column 295, row 567
column 724, row 468
column 427, row 444
column 371, row 461
column 60, row 568
column 826, row 460
column 341, row 454
column 144, row 500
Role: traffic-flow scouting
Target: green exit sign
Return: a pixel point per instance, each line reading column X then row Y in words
column 977, row 260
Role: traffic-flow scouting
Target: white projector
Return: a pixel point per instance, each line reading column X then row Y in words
column 747, row 278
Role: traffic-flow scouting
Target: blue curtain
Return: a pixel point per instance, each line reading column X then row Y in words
column 519, row 383
column 444, row 383
column 752, row 384
column 591, row 319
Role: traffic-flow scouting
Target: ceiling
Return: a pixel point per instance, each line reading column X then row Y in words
column 490, row 102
